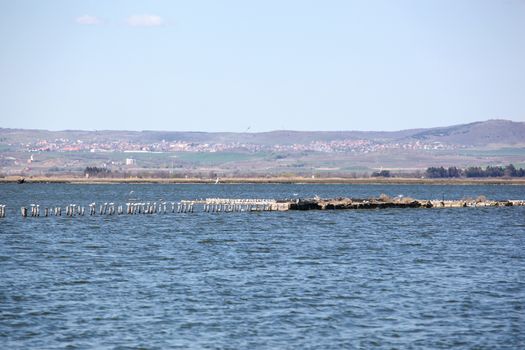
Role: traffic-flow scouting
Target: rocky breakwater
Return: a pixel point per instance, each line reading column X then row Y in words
column 384, row 202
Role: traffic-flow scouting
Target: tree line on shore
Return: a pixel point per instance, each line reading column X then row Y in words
column 96, row 171
column 431, row 172
column 472, row 172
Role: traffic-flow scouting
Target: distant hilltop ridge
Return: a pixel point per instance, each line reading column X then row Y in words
column 483, row 133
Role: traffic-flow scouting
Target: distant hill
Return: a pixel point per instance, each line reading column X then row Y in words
column 477, row 134
column 501, row 132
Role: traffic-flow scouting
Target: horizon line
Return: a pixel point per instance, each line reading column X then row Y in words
column 262, row 132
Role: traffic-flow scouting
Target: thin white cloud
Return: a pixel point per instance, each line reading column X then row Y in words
column 88, row 20
column 144, row 21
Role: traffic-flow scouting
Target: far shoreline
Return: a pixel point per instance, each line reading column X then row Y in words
column 270, row 180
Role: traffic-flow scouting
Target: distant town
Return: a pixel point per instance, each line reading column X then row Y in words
column 354, row 146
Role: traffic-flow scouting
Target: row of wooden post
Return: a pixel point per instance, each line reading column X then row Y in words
column 159, row 208
column 108, row 209
column 224, row 207
column 214, row 205
column 34, row 210
column 237, row 205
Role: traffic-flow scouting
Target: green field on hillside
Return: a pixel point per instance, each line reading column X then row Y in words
column 217, row 157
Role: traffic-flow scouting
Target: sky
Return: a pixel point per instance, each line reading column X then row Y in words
column 260, row 65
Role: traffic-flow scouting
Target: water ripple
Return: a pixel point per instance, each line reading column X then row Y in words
column 350, row 279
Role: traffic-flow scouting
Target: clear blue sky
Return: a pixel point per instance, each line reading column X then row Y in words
column 263, row 65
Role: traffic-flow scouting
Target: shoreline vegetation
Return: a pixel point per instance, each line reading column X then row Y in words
column 270, row 180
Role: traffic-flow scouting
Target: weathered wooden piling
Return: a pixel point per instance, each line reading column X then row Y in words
column 35, row 210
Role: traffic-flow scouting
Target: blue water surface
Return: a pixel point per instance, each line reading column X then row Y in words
column 393, row 278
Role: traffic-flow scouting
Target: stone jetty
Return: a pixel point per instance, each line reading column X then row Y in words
column 384, row 203
column 228, row 205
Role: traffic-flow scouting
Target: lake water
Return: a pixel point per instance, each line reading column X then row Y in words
column 394, row 278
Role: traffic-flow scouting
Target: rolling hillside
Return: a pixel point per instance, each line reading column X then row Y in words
column 501, row 132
